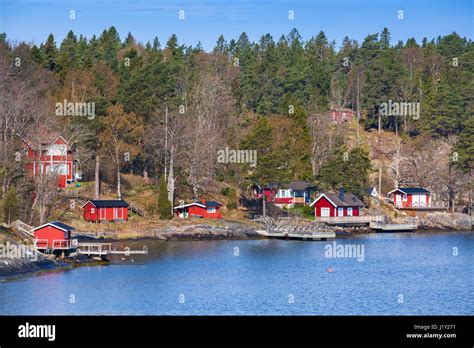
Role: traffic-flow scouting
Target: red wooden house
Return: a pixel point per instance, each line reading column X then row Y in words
column 410, row 197
column 54, row 236
column 268, row 191
column 203, row 209
column 52, row 156
column 105, row 210
column 297, row 192
column 342, row 204
column 341, row 115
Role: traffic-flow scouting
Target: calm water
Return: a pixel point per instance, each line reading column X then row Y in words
column 400, row 274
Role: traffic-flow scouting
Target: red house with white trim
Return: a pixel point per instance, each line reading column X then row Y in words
column 105, row 210
column 52, row 156
column 342, row 204
column 203, row 209
column 54, row 236
column 410, row 197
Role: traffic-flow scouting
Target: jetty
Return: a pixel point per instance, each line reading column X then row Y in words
column 408, row 226
column 293, row 229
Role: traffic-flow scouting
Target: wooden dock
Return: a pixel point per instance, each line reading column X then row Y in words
column 300, row 236
column 104, row 249
column 293, row 229
column 350, row 220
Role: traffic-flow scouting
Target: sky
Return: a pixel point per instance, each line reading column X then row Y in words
column 33, row 20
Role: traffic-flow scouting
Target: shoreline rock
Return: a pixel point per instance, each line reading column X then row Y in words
column 445, row 221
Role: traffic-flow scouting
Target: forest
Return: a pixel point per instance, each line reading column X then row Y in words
column 164, row 110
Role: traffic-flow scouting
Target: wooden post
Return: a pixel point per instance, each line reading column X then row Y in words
column 97, row 176
column 380, row 180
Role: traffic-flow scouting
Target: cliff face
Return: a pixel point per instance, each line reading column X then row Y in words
column 446, row 221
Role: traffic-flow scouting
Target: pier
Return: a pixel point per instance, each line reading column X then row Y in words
column 293, row 229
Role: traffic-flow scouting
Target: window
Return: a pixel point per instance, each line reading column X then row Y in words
column 56, row 169
column 405, row 197
column 211, row 210
column 349, row 211
column 56, row 150
column 340, row 211
column 325, row 212
column 92, row 210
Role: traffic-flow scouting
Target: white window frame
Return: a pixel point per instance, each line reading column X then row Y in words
column 211, row 210
column 349, row 212
column 405, row 197
column 92, row 210
column 340, row 211
column 325, row 212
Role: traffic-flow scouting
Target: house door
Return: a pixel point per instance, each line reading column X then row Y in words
column 423, row 201
column 102, row 213
column 415, row 200
column 325, row 212
column 115, row 213
column 398, row 199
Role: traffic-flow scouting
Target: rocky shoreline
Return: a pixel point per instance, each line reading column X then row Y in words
column 229, row 230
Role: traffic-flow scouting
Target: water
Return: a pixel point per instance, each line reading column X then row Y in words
column 401, row 274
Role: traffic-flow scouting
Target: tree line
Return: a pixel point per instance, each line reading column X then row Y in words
column 166, row 111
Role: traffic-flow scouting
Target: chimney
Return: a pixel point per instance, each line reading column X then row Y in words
column 203, row 201
column 341, row 194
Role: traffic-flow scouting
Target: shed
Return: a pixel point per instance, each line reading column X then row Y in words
column 105, row 210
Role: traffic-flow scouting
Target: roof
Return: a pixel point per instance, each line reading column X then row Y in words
column 272, row 185
column 411, row 190
column 108, row 203
column 341, row 110
column 213, row 204
column 57, row 224
column 300, row 185
column 205, row 205
column 371, row 189
column 350, row 200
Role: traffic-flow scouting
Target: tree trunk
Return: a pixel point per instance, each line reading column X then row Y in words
column 97, row 177
column 119, row 193
column 145, row 172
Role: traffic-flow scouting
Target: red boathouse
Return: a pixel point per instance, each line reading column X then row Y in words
column 203, row 209
column 54, row 236
column 330, row 204
column 410, row 197
column 105, row 210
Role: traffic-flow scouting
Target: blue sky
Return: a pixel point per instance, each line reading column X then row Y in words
column 205, row 20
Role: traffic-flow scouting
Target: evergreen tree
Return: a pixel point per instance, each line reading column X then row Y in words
column 50, row 51
column 465, row 146
column 164, row 205
column 10, row 205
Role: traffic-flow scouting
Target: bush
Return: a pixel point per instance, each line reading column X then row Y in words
column 227, row 191
column 231, row 206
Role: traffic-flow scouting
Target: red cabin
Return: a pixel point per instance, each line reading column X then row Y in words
column 341, row 115
column 203, row 209
column 52, row 157
column 54, row 236
column 410, row 197
column 343, row 204
column 105, row 210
